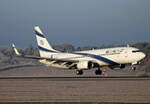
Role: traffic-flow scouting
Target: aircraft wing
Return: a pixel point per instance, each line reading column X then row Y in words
column 50, row 59
column 70, row 63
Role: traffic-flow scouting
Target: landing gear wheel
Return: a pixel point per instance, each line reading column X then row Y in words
column 79, row 72
column 133, row 68
column 98, row 72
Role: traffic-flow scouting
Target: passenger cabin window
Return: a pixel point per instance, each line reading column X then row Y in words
column 121, row 50
column 107, row 51
column 113, row 51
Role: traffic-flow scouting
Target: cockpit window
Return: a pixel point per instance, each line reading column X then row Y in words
column 136, row 51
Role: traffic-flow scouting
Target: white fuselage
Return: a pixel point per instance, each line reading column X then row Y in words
column 120, row 55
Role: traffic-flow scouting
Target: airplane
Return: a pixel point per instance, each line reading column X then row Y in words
column 117, row 57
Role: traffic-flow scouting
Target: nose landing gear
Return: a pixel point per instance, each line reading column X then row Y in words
column 133, row 68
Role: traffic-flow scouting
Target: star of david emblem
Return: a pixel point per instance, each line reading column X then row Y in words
column 41, row 42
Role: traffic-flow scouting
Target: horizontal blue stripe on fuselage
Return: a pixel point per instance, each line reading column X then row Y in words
column 99, row 58
column 85, row 54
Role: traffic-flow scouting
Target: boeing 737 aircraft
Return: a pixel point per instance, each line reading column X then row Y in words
column 81, row 60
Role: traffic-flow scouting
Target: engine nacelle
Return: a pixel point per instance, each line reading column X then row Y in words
column 84, row 65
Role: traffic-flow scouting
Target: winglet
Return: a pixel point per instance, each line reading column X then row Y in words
column 15, row 49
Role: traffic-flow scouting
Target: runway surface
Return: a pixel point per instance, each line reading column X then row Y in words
column 81, row 78
column 78, row 89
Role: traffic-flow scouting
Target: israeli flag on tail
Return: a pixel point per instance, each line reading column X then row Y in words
column 45, row 48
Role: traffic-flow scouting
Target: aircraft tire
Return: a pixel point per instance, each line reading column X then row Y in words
column 133, row 68
column 79, row 72
column 98, row 72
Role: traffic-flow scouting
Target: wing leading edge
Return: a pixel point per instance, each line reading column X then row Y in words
column 37, row 57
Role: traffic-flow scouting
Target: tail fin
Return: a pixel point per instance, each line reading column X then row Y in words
column 45, row 48
column 16, row 51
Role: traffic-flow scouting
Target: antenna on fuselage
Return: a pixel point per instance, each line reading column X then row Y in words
column 128, row 45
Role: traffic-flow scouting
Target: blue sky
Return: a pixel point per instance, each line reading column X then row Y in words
column 77, row 22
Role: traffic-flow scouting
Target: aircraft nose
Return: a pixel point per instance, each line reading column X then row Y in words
column 142, row 55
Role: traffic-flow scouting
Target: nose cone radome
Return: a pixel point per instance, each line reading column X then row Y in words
column 142, row 55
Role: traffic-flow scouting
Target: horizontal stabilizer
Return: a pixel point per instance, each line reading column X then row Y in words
column 16, row 51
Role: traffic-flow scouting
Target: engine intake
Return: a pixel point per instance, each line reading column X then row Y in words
column 84, row 65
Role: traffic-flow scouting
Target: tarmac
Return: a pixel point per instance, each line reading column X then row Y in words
column 63, row 90
column 41, row 84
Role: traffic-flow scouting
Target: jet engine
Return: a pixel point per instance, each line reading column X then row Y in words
column 84, row 65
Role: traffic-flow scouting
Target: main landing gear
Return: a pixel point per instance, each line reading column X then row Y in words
column 79, row 72
column 98, row 71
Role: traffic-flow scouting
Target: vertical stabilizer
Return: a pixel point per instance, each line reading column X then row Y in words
column 45, row 48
